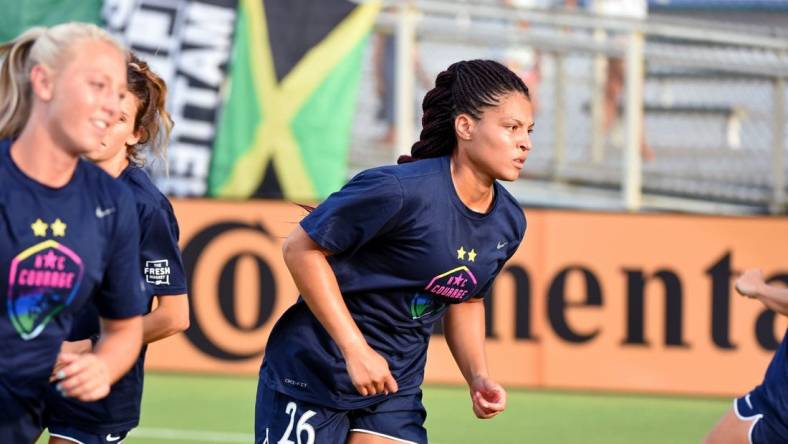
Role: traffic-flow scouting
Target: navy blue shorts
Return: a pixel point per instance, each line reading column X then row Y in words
column 19, row 421
column 750, row 407
column 279, row 418
column 78, row 436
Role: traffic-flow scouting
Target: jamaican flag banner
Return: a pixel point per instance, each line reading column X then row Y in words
column 294, row 73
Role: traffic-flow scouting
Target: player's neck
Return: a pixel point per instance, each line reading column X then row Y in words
column 474, row 189
column 115, row 165
column 41, row 158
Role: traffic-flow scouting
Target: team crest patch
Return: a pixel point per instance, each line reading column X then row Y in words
column 453, row 285
column 422, row 305
column 42, row 282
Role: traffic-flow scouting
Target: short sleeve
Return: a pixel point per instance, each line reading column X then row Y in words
column 160, row 256
column 120, row 294
column 363, row 209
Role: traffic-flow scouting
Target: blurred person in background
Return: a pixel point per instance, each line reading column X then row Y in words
column 760, row 416
column 144, row 123
column 384, row 61
column 523, row 60
column 396, row 250
column 616, row 74
column 67, row 229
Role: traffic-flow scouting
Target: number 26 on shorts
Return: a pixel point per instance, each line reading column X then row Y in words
column 302, row 427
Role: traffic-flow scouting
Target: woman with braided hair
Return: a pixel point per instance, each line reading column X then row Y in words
column 395, row 250
column 144, row 124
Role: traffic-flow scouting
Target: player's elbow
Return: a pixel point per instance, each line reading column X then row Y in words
column 173, row 313
column 173, row 326
column 181, row 322
column 179, row 319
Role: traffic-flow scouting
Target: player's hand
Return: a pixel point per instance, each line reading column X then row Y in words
column 488, row 397
column 749, row 284
column 74, row 347
column 83, row 376
column 369, row 372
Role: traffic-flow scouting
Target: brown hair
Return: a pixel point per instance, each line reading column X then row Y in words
column 152, row 121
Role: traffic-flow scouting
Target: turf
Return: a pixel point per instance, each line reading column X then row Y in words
column 188, row 409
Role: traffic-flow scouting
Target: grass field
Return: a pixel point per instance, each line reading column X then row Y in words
column 181, row 409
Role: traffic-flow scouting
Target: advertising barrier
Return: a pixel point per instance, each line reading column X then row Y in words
column 598, row 301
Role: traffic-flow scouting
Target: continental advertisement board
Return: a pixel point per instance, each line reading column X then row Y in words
column 596, row 301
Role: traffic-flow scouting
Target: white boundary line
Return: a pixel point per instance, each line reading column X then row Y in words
column 192, row 435
column 145, row 433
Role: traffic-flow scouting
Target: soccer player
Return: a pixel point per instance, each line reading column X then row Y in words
column 395, row 250
column 67, row 229
column 761, row 416
column 144, row 122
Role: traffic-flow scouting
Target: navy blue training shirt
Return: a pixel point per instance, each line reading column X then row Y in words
column 773, row 389
column 404, row 246
column 58, row 248
column 162, row 275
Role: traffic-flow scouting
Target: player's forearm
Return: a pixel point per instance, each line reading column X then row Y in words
column 170, row 317
column 119, row 344
column 776, row 298
column 318, row 285
column 463, row 326
column 77, row 347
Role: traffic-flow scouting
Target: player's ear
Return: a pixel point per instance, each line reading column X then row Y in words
column 464, row 126
column 135, row 137
column 42, row 80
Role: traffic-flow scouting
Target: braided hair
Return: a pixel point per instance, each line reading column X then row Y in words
column 466, row 87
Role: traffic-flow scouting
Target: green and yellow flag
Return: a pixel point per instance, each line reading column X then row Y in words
column 284, row 130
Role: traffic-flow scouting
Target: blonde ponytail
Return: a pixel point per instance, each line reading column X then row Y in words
column 15, row 94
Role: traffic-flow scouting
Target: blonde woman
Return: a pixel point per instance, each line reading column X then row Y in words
column 68, row 231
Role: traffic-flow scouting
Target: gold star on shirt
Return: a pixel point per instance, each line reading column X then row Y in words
column 39, row 228
column 58, row 228
column 472, row 255
column 461, row 253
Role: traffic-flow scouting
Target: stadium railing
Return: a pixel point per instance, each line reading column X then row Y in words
column 709, row 96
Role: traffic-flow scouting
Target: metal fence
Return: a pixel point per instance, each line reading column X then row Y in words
column 708, row 99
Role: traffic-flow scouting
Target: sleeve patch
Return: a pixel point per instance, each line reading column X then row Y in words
column 157, row 272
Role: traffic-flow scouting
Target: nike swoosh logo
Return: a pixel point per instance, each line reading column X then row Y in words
column 104, row 213
column 109, row 437
column 501, row 245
